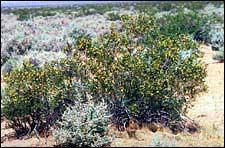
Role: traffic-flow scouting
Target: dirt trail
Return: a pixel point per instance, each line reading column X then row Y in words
column 208, row 110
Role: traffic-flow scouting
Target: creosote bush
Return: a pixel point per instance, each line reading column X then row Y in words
column 141, row 72
column 37, row 96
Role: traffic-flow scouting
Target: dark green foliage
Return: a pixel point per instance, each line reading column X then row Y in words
column 182, row 23
column 26, row 14
column 113, row 16
column 202, row 35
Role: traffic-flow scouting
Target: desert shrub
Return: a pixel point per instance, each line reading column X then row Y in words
column 166, row 6
column 15, row 47
column 11, row 64
column 195, row 5
column 83, row 42
column 182, row 23
column 39, row 58
column 83, row 124
column 215, row 18
column 216, row 38
column 44, row 57
column 80, row 41
column 87, row 11
column 202, row 35
column 26, row 14
column 23, row 17
column 161, row 141
column 219, row 55
column 138, row 26
column 34, row 94
column 138, row 79
column 113, row 16
column 4, row 57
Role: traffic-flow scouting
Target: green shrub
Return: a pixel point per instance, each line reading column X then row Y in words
column 182, row 23
column 113, row 16
column 138, row 79
column 26, row 14
column 80, row 41
column 216, row 36
column 83, row 124
column 166, row 6
column 83, row 42
column 33, row 93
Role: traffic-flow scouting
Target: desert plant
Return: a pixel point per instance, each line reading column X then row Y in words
column 161, row 141
column 113, row 16
column 202, row 35
column 83, row 124
column 4, row 57
column 219, row 55
column 11, row 64
column 216, row 38
column 182, row 23
column 141, row 78
column 39, row 58
column 32, row 94
column 80, row 41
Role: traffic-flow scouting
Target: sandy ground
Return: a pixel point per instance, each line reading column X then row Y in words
column 208, row 110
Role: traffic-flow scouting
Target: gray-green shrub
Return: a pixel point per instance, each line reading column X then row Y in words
column 219, row 55
column 217, row 37
column 161, row 141
column 83, row 124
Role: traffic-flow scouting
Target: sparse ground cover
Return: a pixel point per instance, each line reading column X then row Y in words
column 53, row 35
